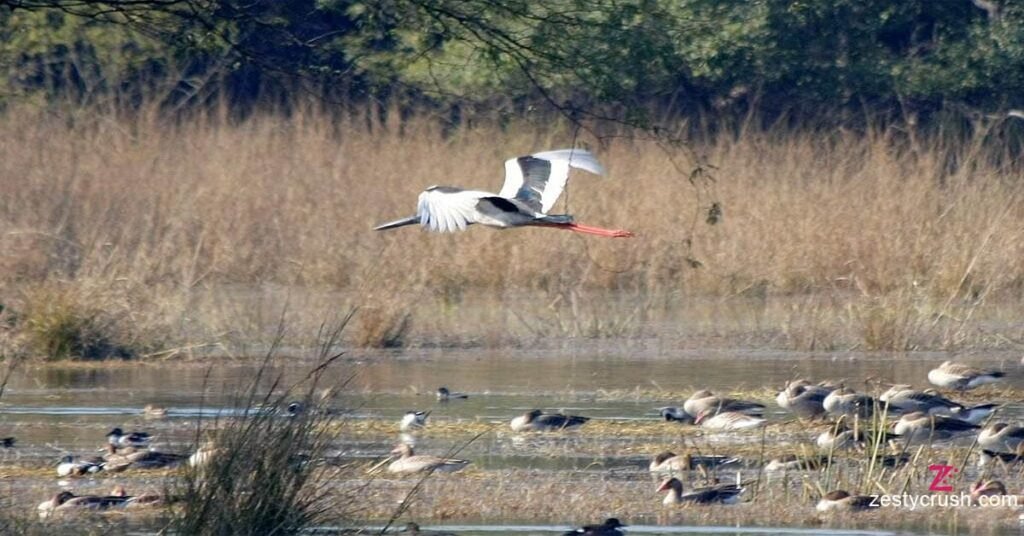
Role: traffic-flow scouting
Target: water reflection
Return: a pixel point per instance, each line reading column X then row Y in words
column 71, row 406
column 547, row 530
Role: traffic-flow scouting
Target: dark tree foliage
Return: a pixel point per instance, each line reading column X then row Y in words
column 620, row 58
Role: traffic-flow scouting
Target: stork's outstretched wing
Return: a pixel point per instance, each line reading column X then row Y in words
column 445, row 209
column 537, row 180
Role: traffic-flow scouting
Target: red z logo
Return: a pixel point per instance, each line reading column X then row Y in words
column 942, row 472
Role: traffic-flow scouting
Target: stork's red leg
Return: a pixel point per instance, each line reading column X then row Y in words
column 589, row 229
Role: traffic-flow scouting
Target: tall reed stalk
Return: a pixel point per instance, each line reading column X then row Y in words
column 267, row 470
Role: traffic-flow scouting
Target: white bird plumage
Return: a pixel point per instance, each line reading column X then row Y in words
column 551, row 188
column 413, row 420
column 444, row 209
column 532, row 185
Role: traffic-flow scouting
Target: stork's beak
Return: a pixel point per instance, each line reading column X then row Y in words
column 412, row 220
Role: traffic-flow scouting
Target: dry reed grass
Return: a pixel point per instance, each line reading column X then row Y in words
column 263, row 473
column 202, row 229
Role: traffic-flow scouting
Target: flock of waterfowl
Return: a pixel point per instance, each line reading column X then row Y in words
column 856, row 421
column 122, row 451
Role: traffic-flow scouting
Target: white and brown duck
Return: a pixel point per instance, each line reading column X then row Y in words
column 792, row 462
column 822, row 387
column 67, row 501
column 120, row 459
column 839, row 436
column 804, row 400
column 729, row 421
column 70, row 466
column 143, row 500
column 988, row 457
column 975, row 414
column 120, row 438
column 841, row 501
column 1002, row 437
column 705, row 401
column 844, row 401
column 669, row 462
column 919, row 426
column 718, row 493
column 903, row 398
column 538, row 421
column 413, row 420
column 408, row 462
column 986, row 488
column 951, row 375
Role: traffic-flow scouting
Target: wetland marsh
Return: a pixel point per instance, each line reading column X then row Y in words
column 143, row 263
column 533, row 483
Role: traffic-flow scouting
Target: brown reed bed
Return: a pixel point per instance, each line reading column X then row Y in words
column 167, row 235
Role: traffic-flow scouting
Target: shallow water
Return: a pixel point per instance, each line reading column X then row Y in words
column 72, row 407
column 486, row 372
column 546, row 530
column 54, row 410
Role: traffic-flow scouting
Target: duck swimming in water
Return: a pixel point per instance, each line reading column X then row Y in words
column 611, row 527
column 719, row 493
column 538, row 421
column 444, row 395
column 409, row 462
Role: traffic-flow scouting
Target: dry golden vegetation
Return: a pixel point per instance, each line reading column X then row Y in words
column 136, row 235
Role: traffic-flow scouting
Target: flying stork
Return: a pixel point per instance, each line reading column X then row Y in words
column 532, row 185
